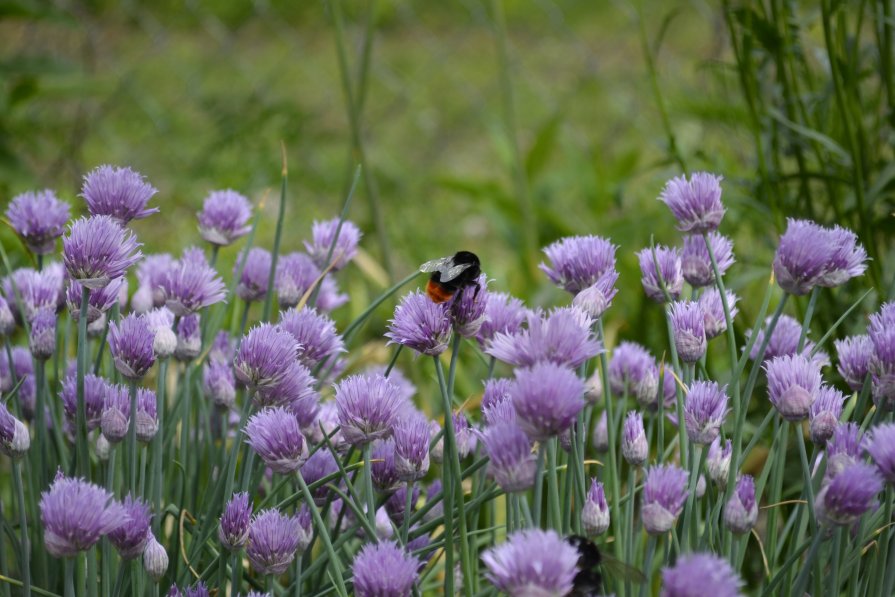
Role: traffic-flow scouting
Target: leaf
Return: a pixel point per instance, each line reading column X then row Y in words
column 763, row 30
column 813, row 135
column 543, row 146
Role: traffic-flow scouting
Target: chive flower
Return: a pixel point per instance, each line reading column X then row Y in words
column 664, row 271
column 131, row 344
column 420, row 324
column 532, row 562
column 273, row 542
column 76, row 514
column 705, row 407
column 695, row 203
column 510, row 460
column 577, row 262
column 368, row 408
column 254, row 274
column 699, row 574
column 696, row 262
column 547, row 398
column 384, row 568
column 39, row 218
column 275, row 436
column 688, row 327
column 664, row 494
column 120, row 193
column 224, row 217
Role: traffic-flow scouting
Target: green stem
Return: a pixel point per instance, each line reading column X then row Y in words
column 323, row 533
column 268, row 297
column 42, row 439
column 648, row 565
column 156, row 483
column 368, row 486
column 408, row 506
column 611, row 476
column 553, row 484
column 83, row 456
column 24, row 541
column 802, row 579
column 235, row 572
column 629, row 524
column 69, row 577
column 132, row 440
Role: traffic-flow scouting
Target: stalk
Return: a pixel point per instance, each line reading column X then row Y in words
column 368, row 485
column 268, row 297
column 156, row 483
column 42, row 439
column 323, row 533
column 24, row 541
column 553, row 484
column 132, row 440
column 83, row 458
column 610, row 427
column 69, row 577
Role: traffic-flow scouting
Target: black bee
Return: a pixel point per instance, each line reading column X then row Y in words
column 450, row 274
column 591, row 565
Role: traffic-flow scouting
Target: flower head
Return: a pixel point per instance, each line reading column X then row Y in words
column 274, row 434
column 664, row 494
column 315, row 333
column 496, row 390
column 503, row 314
column 383, row 471
column 381, row 569
column 164, row 340
column 848, row 259
column 664, row 271
column 7, row 319
column 295, row 274
column 273, row 541
column 188, row 337
column 254, row 272
column 600, row 436
column 547, row 398
column 468, row 306
column 151, row 274
column 224, row 217
column 793, row 384
column 95, row 389
column 155, row 558
column 688, row 324
column 713, row 311
column 698, row 574
column 696, row 262
column 695, row 203
column 130, row 538
column 595, row 511
column 810, row 255
column 219, row 384
column 192, row 284
column 367, row 406
column 717, row 461
column 42, row 336
column 577, row 262
column 235, row 520
column 97, row 250
column 741, row 511
column 76, row 514
column 882, row 363
column 596, row 299
column 147, row 415
column 532, row 563
column 510, row 461
column 98, row 303
column 824, row 414
column 464, row 434
column 421, row 325
column 116, row 413
column 843, row 449
column 704, row 410
column 635, row 448
column 120, row 193
column 324, row 236
column 848, row 495
column 500, row 411
column 265, row 356
column 321, row 464
column 562, row 337
column 130, row 342
column 412, row 448
column 855, row 354
column 633, row 371
column 39, row 218
column 880, row 444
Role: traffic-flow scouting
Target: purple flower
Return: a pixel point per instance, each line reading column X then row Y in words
column 97, row 250
column 151, row 275
column 296, row 393
column 855, row 354
column 596, row 299
column 15, row 439
column 595, row 511
column 321, row 464
column 38, row 291
column 577, row 262
column 532, row 562
column 713, row 311
column 98, row 303
column 843, row 449
column 421, row 325
column 130, row 538
column 396, row 504
column 191, row 285
column 562, row 337
column 235, row 520
column 254, row 275
column 265, row 356
column 295, row 274
column 695, row 203
column 412, row 448
column 810, row 255
column 381, row 569
column 503, row 313
column 880, row 444
column 510, row 461
column 717, row 462
column 7, row 319
column 39, row 218
column 464, row 434
column 633, row 371
column 273, row 541
column 120, row 193
column 500, row 411
column 155, row 558
column 328, row 424
column 705, row 407
column 95, row 389
column 496, row 390
column 164, row 340
column 600, row 436
column 383, row 472
column 224, row 217
column 219, row 384
column 8, row 425
column 882, row 363
column 147, row 415
column 688, row 324
column 222, row 348
column 324, row 233
column 793, row 384
column 547, row 398
column 76, row 514
column 635, row 448
column 848, row 259
column 700, row 574
column 848, row 495
column 22, row 369
column 367, row 406
column 664, row 494
column 696, row 263
column 189, row 338
column 275, row 435
column 669, row 268
column 116, row 413
column 824, row 414
column 741, row 511
column 42, row 337
column 130, row 342
column 468, row 306
column 315, row 334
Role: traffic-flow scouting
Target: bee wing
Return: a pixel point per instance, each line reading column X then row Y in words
column 618, row 569
column 454, row 271
column 436, row 265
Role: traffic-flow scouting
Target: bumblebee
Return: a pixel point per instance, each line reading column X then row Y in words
column 450, row 274
column 591, row 564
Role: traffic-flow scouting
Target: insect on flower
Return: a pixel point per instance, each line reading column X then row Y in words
column 592, row 564
column 450, row 274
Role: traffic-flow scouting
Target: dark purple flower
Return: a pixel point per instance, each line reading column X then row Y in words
column 97, row 250
column 368, row 408
column 688, row 325
column 562, row 337
column 76, row 514
column 151, row 275
column 880, row 444
column 700, row 574
column 503, row 313
column 322, row 463
column 633, row 371
column 130, row 538
column 696, row 263
column 705, row 407
column 713, row 311
column 316, row 335
column 547, row 398
column 324, row 233
column 265, row 356
column 843, row 449
column 848, row 495
column 275, row 435
column 741, row 511
column 116, row 416
column 664, row 494
column 39, row 218
column 42, row 336
column 695, row 203
column 191, row 285
column 189, row 338
column 155, row 558
column 577, row 262
column 235, row 520
column 120, row 193
column 421, row 325
column 824, row 414
column 296, row 273
column 532, row 562
column 510, row 461
column 595, row 511
column 596, row 299
column 95, row 389
column 468, row 306
column 496, row 390
column 669, row 268
column 383, row 471
column 130, row 342
column 635, row 448
column 848, row 259
column 855, row 354
column 255, row 272
column 224, row 217
column 98, row 303
column 717, row 462
column 219, row 384
column 600, row 436
column 273, row 542
column 793, row 384
column 412, row 448
column 396, row 504
column 381, row 569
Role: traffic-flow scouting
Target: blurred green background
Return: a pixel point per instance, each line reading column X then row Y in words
column 495, row 127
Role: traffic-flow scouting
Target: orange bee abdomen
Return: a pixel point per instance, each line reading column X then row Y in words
column 438, row 293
